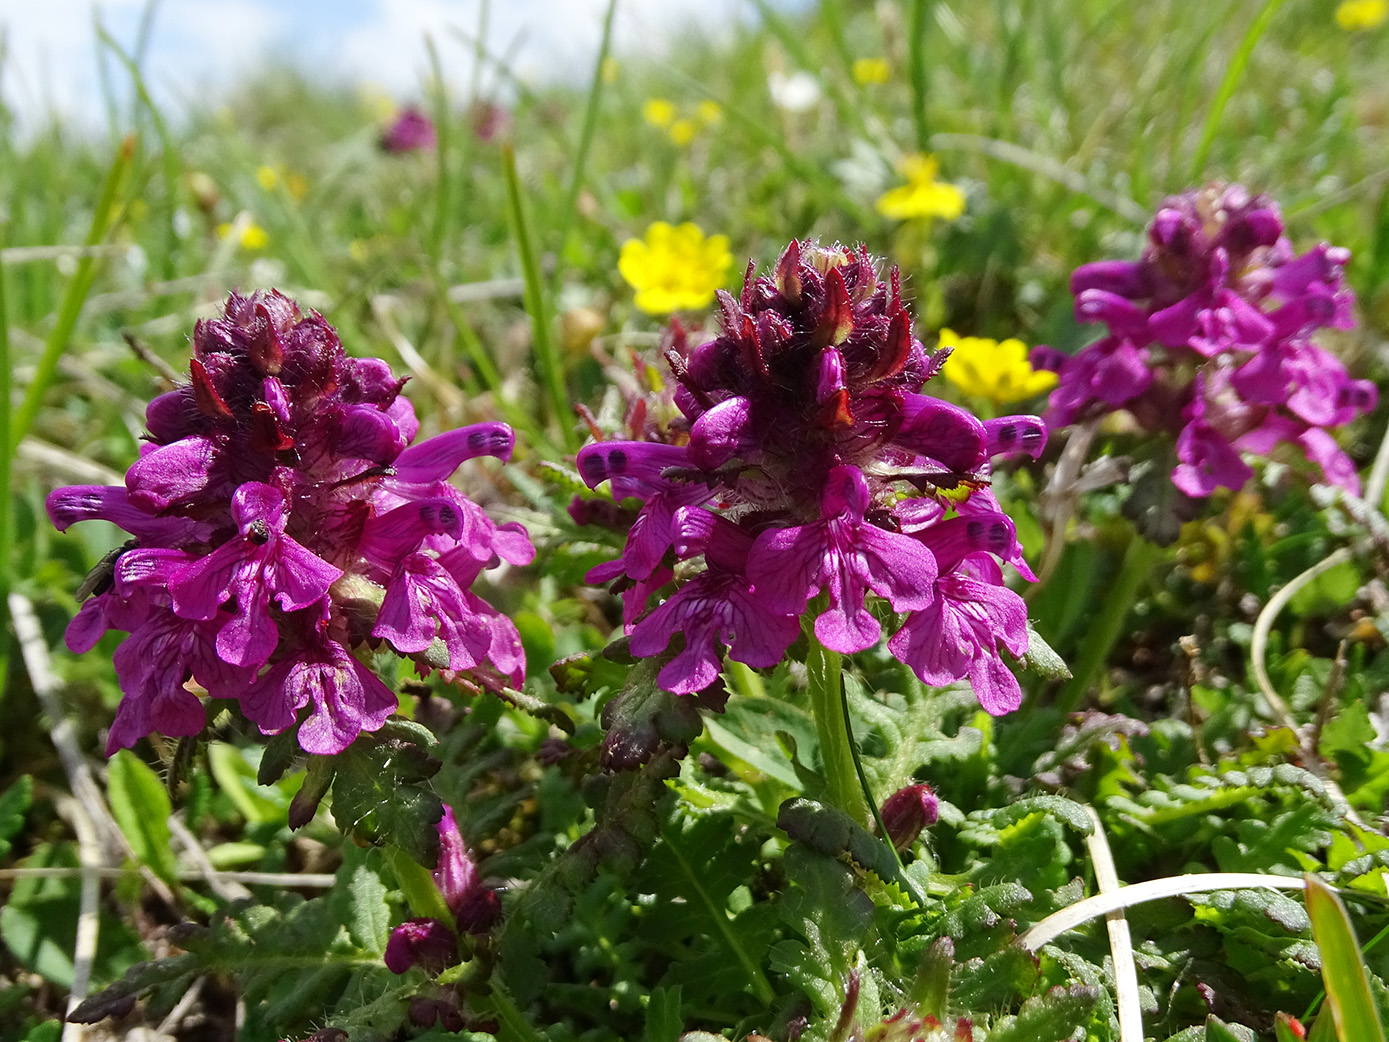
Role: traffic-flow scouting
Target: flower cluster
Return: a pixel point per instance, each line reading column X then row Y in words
column 807, row 464
column 1209, row 340
column 281, row 521
column 476, row 908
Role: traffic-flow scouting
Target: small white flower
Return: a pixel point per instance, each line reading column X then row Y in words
column 795, row 93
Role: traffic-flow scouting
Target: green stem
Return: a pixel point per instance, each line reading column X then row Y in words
column 1138, row 563
column 902, row 880
column 826, row 677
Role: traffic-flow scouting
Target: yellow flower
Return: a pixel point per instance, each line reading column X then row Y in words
column 1361, row 15
column 709, row 112
column 922, row 195
column 265, row 176
column 253, row 236
column 683, row 131
column 659, row 112
column 674, row 268
column 996, row 371
column 871, row 70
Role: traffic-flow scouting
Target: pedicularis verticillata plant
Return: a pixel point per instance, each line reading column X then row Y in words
column 1209, row 341
column 806, row 467
column 284, row 525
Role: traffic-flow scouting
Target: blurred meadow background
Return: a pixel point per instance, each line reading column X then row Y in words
column 485, row 260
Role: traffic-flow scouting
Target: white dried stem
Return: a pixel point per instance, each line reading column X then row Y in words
column 1120, row 940
column 1054, row 925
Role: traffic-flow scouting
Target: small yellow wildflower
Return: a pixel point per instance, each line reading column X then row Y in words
column 266, row 177
column 868, row 71
column 683, row 131
column 658, row 112
column 609, row 70
column 709, row 112
column 1361, row 15
column 998, row 372
column 674, row 268
column 253, row 236
column 922, row 195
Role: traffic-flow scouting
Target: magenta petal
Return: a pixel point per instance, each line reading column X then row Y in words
column 346, row 699
column 434, row 459
column 639, row 460
column 1009, row 434
column 722, row 433
column 299, row 577
column 1336, row 466
column 995, row 686
column 170, row 473
column 941, row 431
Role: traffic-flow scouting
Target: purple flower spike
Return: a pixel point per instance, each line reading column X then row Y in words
column 796, row 432
column 284, row 523
column 1208, row 341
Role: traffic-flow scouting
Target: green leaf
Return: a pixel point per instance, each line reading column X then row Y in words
column 1042, row 658
column 141, row 806
column 380, row 795
column 1348, row 997
column 14, row 804
column 358, row 898
column 1049, row 1018
column 238, row 780
column 663, row 1020
column 1219, row 1031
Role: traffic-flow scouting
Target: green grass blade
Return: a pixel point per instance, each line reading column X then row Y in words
column 6, row 457
column 442, row 135
column 547, row 359
column 1349, row 1002
column 917, row 75
column 169, row 153
column 74, row 296
column 590, row 125
column 1238, row 61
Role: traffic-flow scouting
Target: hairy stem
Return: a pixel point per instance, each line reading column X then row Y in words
column 836, row 745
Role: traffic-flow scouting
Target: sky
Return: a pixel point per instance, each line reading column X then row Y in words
column 197, row 47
